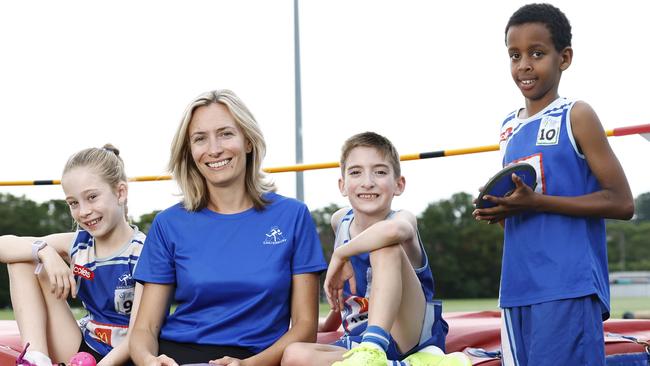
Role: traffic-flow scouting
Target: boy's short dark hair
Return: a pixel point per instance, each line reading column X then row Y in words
column 547, row 14
column 373, row 140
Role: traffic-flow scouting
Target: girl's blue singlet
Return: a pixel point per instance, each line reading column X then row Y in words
column 106, row 288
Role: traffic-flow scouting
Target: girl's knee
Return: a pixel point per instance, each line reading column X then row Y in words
column 20, row 269
column 22, row 274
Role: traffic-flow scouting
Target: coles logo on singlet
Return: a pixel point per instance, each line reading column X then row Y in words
column 83, row 272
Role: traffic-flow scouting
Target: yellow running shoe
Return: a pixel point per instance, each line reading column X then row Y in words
column 424, row 358
column 455, row 359
column 363, row 356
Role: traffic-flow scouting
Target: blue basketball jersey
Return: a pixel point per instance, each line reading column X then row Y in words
column 232, row 273
column 354, row 314
column 107, row 288
column 548, row 256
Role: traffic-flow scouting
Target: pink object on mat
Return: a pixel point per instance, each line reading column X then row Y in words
column 83, row 359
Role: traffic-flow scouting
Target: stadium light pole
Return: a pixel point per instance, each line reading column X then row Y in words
column 300, row 191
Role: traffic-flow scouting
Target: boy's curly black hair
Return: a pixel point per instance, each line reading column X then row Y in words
column 547, row 14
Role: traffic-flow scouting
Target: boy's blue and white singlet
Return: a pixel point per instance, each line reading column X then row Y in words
column 107, row 288
column 354, row 315
column 549, row 256
column 232, row 272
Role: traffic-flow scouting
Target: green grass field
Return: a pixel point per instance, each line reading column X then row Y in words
column 619, row 306
column 8, row 314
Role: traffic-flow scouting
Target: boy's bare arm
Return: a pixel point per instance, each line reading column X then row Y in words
column 614, row 200
column 400, row 229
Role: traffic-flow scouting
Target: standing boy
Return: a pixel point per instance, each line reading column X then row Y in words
column 377, row 251
column 554, row 281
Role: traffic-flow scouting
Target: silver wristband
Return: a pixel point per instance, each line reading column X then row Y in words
column 36, row 247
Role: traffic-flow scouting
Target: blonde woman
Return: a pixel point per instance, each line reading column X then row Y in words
column 241, row 261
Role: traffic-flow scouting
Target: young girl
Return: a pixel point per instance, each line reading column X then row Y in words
column 102, row 254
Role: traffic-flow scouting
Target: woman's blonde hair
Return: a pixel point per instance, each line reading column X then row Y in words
column 105, row 161
column 187, row 175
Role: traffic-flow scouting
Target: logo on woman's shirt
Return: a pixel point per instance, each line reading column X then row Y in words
column 274, row 237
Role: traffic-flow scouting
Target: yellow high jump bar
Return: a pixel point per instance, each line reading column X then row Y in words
column 621, row 131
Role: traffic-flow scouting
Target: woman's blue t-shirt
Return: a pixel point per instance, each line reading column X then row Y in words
column 232, row 273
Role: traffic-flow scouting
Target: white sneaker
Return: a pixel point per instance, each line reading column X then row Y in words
column 37, row 358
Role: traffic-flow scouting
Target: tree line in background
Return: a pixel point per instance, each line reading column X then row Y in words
column 465, row 255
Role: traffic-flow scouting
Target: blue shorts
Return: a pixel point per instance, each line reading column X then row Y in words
column 434, row 332
column 562, row 332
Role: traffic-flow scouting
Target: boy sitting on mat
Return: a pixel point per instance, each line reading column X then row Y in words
column 377, row 251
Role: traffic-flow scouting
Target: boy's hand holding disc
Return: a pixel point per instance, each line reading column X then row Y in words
column 492, row 203
column 502, row 183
